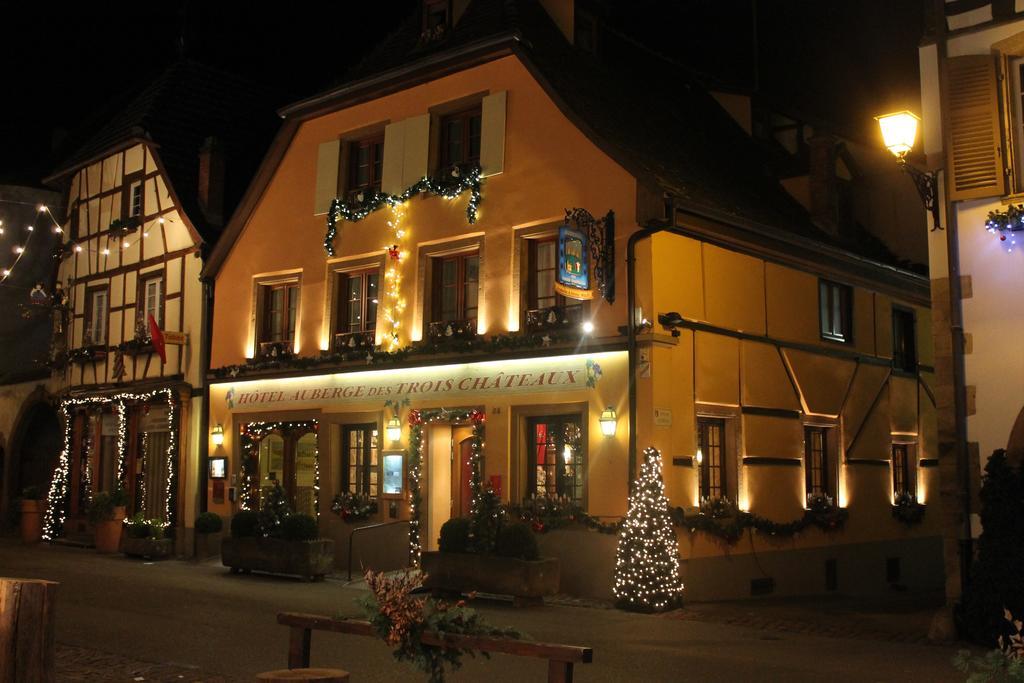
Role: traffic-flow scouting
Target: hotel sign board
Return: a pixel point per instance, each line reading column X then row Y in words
column 448, row 382
column 572, row 277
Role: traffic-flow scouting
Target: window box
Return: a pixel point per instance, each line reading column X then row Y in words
column 137, row 346
column 553, row 318
column 457, row 329
column 87, row 354
column 307, row 559
column 353, row 341
column 524, row 580
column 124, row 226
column 278, row 350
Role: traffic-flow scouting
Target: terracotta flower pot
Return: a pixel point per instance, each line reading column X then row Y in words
column 31, row 521
column 108, row 532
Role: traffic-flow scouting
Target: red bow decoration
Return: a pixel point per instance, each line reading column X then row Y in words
column 394, row 252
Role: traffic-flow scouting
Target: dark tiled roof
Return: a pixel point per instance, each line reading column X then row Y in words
column 178, row 110
column 649, row 114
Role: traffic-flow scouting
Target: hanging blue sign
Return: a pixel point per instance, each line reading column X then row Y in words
column 572, row 279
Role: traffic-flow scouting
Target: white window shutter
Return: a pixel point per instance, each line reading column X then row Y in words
column 326, row 175
column 417, row 149
column 492, row 133
column 394, row 158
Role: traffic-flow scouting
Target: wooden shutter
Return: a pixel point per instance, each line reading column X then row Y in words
column 417, row 150
column 326, row 175
column 394, row 158
column 974, row 144
column 492, row 133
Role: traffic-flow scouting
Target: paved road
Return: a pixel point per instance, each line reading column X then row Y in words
column 199, row 617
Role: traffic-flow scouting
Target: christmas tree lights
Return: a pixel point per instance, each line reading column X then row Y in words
column 647, row 560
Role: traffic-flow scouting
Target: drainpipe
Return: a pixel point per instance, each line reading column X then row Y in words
column 204, row 415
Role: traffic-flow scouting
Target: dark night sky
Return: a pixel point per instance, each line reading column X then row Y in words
column 68, row 66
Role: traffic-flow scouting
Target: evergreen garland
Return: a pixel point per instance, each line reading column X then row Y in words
column 1006, row 224
column 460, row 180
column 729, row 525
column 417, row 418
column 647, row 559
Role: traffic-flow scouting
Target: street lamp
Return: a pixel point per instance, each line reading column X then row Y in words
column 899, row 132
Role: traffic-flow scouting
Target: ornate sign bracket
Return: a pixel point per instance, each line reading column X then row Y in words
column 601, row 235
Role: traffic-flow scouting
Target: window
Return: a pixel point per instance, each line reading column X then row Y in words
column 357, row 301
column 96, row 317
column 555, row 463
column 359, row 459
column 818, row 469
column 151, row 293
column 904, row 340
column 902, row 470
column 711, row 442
column 460, row 138
column 280, row 306
column 135, row 199
column 365, row 165
column 835, row 302
column 456, row 287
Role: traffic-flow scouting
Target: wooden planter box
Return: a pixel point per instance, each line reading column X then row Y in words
column 525, row 580
column 148, row 548
column 308, row 559
column 208, row 545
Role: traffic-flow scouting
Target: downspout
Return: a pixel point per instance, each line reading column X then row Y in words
column 956, row 321
column 204, row 416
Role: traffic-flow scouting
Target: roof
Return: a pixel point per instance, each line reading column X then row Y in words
column 177, row 111
column 650, row 115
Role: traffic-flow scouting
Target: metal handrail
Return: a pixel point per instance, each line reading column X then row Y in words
column 367, row 528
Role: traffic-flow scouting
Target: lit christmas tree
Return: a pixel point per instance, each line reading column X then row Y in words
column 647, row 562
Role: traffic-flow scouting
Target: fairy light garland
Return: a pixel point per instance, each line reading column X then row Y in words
column 1006, row 224
column 394, row 302
column 144, row 446
column 417, row 420
column 647, row 558
column 20, row 249
column 57, row 499
column 449, row 188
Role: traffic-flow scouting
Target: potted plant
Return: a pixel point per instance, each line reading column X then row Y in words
column 276, row 541
column 513, row 567
column 208, row 535
column 31, row 515
column 145, row 538
column 106, row 512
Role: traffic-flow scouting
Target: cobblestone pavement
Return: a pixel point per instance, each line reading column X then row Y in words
column 82, row 664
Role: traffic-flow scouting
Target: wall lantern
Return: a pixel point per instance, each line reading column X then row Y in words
column 394, row 429
column 608, row 421
column 217, row 435
column 700, row 457
column 899, row 132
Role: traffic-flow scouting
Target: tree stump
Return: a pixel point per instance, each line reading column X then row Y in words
column 314, row 675
column 26, row 630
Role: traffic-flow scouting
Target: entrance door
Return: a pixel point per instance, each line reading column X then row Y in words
column 289, row 459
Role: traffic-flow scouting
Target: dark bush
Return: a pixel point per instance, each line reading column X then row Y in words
column 244, row 524
column 454, row 535
column 996, row 575
column 517, row 540
column 101, row 507
column 209, row 523
column 138, row 527
column 119, row 498
column 299, row 527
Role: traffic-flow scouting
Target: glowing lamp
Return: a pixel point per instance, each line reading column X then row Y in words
column 899, row 131
column 587, row 327
column 217, row 435
column 394, row 429
column 608, row 421
column 700, row 456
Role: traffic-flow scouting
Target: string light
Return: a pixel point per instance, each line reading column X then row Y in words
column 20, row 249
column 57, row 499
column 394, row 305
column 647, row 558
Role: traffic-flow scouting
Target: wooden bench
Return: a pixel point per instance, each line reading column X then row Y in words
column 561, row 658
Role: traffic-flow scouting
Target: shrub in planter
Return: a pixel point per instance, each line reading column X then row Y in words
column 31, row 519
column 517, row 540
column 299, row 528
column 209, row 523
column 106, row 511
column 245, row 524
column 454, row 535
column 145, row 538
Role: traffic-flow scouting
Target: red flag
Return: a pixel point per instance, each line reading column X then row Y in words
column 157, row 337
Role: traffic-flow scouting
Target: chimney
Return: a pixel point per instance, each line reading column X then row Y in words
column 211, row 180
column 823, row 191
